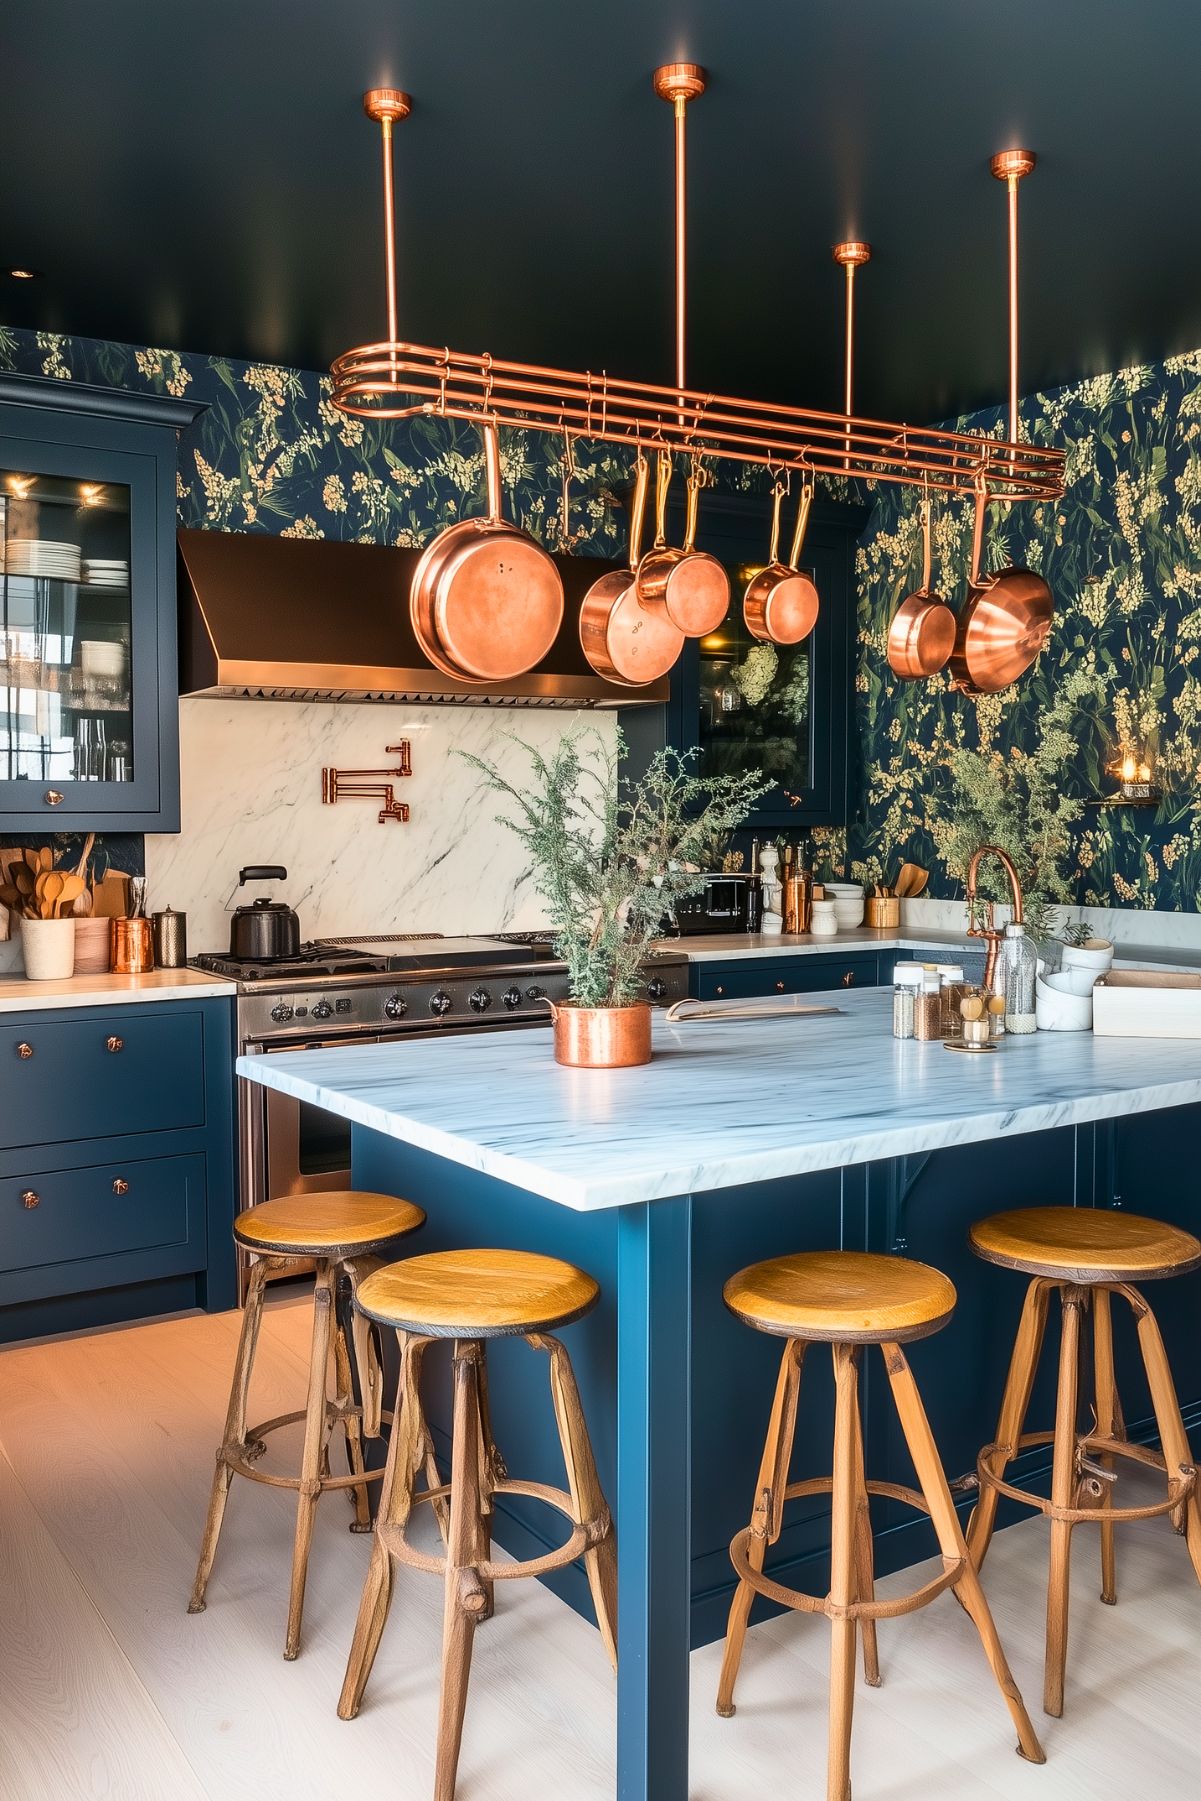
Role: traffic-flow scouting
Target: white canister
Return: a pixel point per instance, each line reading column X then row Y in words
column 822, row 922
column 48, row 946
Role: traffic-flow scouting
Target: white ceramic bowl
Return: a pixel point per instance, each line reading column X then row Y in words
column 97, row 657
column 1064, row 1002
column 1079, row 956
column 849, row 903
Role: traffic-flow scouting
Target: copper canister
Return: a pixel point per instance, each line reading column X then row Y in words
column 798, row 902
column 133, row 947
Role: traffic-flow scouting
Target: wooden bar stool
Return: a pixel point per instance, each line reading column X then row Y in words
column 340, row 1231
column 1088, row 1254
column 471, row 1297
column 848, row 1299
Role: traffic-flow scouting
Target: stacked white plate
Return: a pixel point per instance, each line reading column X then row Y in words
column 43, row 557
column 106, row 572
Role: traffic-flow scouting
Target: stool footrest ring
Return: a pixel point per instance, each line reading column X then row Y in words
column 583, row 1536
column 242, row 1456
column 1179, row 1487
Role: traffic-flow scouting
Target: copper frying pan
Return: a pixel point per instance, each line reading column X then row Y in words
column 781, row 603
column 922, row 634
column 1004, row 623
column 486, row 600
column 623, row 641
column 687, row 587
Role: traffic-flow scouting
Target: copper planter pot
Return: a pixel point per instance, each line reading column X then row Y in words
column 602, row 1037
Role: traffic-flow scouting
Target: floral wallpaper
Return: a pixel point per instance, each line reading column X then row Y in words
column 1122, row 553
column 1120, row 674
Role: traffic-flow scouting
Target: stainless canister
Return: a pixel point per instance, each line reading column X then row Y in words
column 170, row 939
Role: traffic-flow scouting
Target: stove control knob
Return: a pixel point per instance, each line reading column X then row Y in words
column 440, row 1003
column 395, row 1007
column 535, row 993
column 281, row 1013
column 656, row 988
column 512, row 998
column 322, row 1010
column 479, row 1000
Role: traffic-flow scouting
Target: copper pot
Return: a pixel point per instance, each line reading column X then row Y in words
column 602, row 1037
column 780, row 605
column 922, row 634
column 686, row 586
column 622, row 640
column 1003, row 625
column 486, row 600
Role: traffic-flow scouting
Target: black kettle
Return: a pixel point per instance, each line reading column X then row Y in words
column 268, row 931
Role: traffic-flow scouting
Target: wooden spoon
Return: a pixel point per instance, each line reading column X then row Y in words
column 72, row 889
column 48, row 889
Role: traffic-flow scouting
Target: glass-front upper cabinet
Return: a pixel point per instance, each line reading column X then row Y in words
column 88, row 693
column 783, row 709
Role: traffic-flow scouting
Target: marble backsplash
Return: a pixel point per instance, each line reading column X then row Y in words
column 250, row 775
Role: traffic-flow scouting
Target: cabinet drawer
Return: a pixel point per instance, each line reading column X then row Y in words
column 64, row 1216
column 103, row 1077
column 791, row 975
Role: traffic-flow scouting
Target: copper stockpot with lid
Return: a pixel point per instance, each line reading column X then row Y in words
column 486, row 600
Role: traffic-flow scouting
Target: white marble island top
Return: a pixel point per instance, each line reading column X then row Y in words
column 724, row 1102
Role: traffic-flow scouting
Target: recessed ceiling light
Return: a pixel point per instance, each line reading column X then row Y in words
column 22, row 274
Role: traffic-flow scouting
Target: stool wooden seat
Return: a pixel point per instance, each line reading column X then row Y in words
column 339, row 1231
column 1089, row 1254
column 848, row 1299
column 471, row 1297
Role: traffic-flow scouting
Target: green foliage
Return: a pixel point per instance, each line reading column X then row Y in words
column 612, row 857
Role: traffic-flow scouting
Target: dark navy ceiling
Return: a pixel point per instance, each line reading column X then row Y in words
column 200, row 176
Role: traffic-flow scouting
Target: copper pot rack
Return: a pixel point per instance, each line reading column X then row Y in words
column 395, row 379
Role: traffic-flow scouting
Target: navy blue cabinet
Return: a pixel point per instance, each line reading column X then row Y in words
column 116, row 1164
column 88, row 660
column 736, row 978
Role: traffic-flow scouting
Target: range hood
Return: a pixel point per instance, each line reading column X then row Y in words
column 268, row 618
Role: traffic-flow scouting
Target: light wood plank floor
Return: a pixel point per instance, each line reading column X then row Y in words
column 109, row 1691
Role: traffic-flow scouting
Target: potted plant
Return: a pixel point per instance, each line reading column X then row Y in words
column 611, row 857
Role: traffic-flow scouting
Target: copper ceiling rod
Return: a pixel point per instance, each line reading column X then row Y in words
column 1010, row 166
column 852, row 255
column 386, row 106
column 679, row 83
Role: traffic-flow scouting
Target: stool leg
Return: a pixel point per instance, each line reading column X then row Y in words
column 768, row 1514
column 844, row 1586
column 315, row 1424
column 933, row 1484
column 490, row 1472
column 588, row 1501
column 352, row 1429
column 465, row 1598
column 1172, row 1436
column 235, row 1428
column 1108, row 1426
column 1063, row 1493
column 405, row 1453
column 865, row 1556
column 1027, row 1348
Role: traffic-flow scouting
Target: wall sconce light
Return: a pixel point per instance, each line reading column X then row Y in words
column 1137, row 786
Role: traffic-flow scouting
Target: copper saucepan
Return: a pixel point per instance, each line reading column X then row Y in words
column 922, row 634
column 486, row 600
column 781, row 604
column 1003, row 625
column 687, row 586
column 623, row 641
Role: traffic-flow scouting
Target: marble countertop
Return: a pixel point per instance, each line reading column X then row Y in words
column 19, row 995
column 718, row 947
column 724, row 1102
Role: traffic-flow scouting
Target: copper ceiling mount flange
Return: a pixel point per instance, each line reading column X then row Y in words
column 387, row 104
column 1011, row 165
column 680, row 81
column 852, row 254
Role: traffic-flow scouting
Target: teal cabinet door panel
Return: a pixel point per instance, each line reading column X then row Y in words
column 59, row 1227
column 743, row 977
column 102, row 1076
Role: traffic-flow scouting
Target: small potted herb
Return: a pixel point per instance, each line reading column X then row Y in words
column 611, row 857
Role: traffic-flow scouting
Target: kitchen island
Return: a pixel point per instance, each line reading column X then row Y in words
column 745, row 1140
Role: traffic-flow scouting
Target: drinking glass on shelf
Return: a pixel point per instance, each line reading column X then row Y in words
column 119, row 765
column 91, row 749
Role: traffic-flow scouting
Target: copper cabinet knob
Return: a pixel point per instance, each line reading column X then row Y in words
column 848, row 980
column 53, row 797
column 114, row 1044
column 24, row 1051
column 779, row 987
column 30, row 1198
column 720, row 989
column 120, row 1185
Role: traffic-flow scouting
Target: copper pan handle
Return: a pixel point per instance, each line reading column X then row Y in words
column 777, row 501
column 662, row 484
column 802, row 521
column 978, row 532
column 642, row 480
column 926, row 565
column 492, row 471
column 691, row 513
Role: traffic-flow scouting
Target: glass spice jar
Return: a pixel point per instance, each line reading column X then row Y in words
column 927, row 1009
column 906, row 980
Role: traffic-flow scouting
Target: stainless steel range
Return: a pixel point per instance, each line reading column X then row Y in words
column 370, row 990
